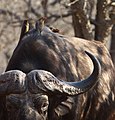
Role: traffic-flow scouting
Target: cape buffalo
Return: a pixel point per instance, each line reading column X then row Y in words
column 48, row 75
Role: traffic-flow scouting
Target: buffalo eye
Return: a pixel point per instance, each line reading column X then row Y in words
column 41, row 104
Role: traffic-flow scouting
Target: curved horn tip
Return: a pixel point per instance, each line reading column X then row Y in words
column 86, row 84
column 94, row 60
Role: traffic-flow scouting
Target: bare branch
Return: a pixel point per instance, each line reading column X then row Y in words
column 73, row 2
column 31, row 8
column 4, row 12
column 45, row 7
column 57, row 16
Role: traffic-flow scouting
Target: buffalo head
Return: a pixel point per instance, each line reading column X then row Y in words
column 47, row 61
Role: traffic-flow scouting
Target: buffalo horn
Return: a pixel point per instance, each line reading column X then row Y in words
column 12, row 82
column 40, row 80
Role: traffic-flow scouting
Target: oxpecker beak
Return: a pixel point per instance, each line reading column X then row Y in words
column 40, row 24
column 25, row 29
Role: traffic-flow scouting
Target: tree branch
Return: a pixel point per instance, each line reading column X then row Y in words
column 4, row 12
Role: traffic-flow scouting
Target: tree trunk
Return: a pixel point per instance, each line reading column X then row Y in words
column 103, row 26
column 112, row 49
column 81, row 22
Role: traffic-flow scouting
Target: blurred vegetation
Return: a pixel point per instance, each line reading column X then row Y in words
column 88, row 19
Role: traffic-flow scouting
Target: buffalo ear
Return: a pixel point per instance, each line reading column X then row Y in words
column 25, row 29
